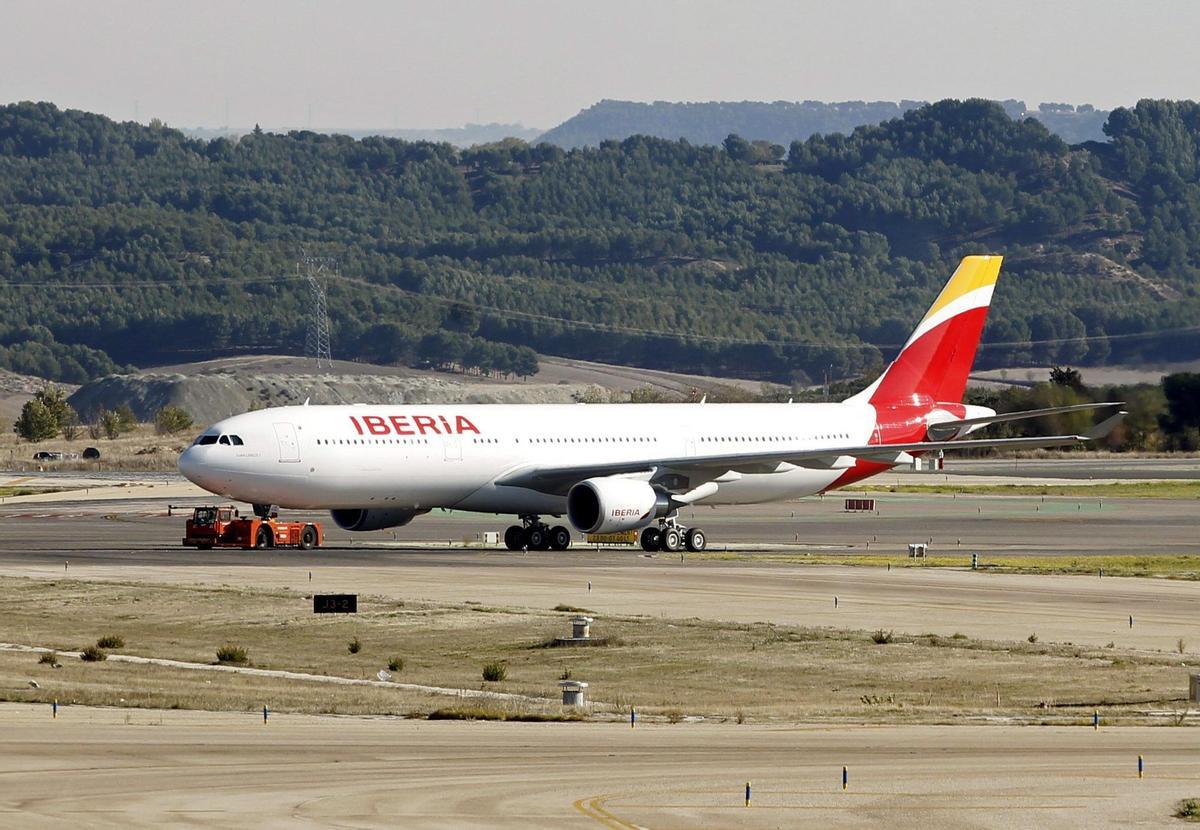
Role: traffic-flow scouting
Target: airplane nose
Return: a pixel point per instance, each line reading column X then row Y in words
column 189, row 464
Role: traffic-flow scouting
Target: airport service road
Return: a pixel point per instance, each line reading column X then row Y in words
column 121, row 769
column 1076, row 609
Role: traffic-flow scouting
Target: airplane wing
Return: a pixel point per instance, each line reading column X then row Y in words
column 557, row 480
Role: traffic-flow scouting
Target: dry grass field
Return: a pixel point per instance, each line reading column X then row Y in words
column 140, row 450
column 669, row 668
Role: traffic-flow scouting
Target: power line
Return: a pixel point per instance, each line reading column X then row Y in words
column 585, row 325
column 612, row 328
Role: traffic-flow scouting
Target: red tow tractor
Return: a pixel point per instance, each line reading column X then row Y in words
column 222, row 527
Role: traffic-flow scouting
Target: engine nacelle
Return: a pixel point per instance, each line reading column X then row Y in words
column 610, row 505
column 362, row 518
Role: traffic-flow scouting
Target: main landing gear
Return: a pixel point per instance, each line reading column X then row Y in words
column 671, row 537
column 534, row 534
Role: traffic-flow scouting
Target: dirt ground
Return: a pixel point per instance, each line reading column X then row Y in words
column 175, row 768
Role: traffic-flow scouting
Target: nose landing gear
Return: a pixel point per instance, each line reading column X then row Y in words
column 534, row 534
column 672, row 537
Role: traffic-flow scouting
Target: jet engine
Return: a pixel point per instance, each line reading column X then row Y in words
column 610, row 505
column 362, row 518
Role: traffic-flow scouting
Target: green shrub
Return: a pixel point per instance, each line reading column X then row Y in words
column 354, row 646
column 1033, row 638
column 495, row 671
column 48, row 658
column 396, row 664
column 91, row 654
column 230, row 653
column 881, row 637
column 171, row 419
column 111, row 641
column 1188, row 809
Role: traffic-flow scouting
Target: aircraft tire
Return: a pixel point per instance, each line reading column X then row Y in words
column 672, row 540
column 539, row 538
column 514, row 537
column 650, row 539
column 695, row 540
column 560, row 538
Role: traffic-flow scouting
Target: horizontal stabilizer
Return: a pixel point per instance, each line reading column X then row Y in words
column 945, row 429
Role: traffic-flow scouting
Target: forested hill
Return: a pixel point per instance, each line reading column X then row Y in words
column 780, row 122
column 135, row 245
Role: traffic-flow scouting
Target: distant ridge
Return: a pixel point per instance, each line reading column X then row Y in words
column 781, row 122
column 469, row 135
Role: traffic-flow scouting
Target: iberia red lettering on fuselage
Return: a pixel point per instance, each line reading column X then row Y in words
column 412, row 425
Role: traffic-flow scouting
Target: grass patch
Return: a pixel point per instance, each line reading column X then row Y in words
column 9, row 492
column 48, row 658
column 1122, row 490
column 572, row 609
column 396, row 664
column 713, row 668
column 881, row 637
column 229, row 653
column 1161, row 566
column 354, row 646
column 111, row 641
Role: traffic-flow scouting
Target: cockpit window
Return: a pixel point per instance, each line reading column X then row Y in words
column 224, row 440
column 235, row 440
column 206, row 439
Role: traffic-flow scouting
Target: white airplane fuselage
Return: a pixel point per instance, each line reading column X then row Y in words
column 424, row 457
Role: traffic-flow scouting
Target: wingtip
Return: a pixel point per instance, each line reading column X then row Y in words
column 1102, row 429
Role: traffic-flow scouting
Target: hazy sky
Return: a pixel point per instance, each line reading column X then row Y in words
column 393, row 63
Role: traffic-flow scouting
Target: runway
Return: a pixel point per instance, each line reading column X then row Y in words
column 156, row 768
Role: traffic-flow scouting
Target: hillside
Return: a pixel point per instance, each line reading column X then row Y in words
column 125, row 245
column 779, row 122
column 215, row 389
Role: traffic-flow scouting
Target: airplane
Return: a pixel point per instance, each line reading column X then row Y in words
column 616, row 467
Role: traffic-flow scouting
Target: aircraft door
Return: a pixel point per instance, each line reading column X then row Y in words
column 453, row 447
column 289, row 447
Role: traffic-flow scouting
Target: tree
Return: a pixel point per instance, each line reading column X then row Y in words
column 1066, row 376
column 36, row 422
column 171, row 419
column 738, row 148
column 111, row 424
column 126, row 420
column 70, row 424
column 55, row 402
column 1181, row 422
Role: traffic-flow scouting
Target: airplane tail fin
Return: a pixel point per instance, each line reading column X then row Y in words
column 934, row 363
